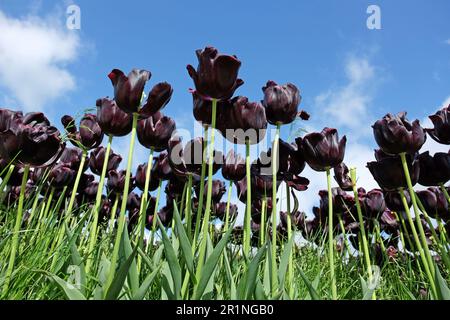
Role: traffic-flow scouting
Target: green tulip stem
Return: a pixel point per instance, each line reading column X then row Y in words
column 144, row 199
column 417, row 213
column 98, row 200
column 15, row 236
column 188, row 208
column 155, row 214
column 205, row 223
column 418, row 244
column 274, row 279
column 227, row 212
column 248, row 208
column 77, row 182
column 290, row 235
column 123, row 207
column 6, row 179
column 330, row 237
column 262, row 229
column 200, row 197
column 113, row 213
column 361, row 226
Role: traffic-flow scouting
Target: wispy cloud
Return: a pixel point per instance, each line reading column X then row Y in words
column 447, row 41
column 34, row 54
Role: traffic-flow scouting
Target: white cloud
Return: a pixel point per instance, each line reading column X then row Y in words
column 34, row 53
column 348, row 105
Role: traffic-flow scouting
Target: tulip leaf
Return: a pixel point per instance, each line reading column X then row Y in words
column 140, row 294
column 441, row 286
column 72, row 293
column 116, row 285
column 210, row 265
column 185, row 243
column 251, row 274
column 259, row 291
column 172, row 260
column 76, row 258
column 312, row 292
column 230, row 276
column 133, row 277
column 285, row 260
column 102, row 276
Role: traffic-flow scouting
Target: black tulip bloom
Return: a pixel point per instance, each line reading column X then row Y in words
column 89, row 135
column 394, row 202
column 154, row 132
column 441, row 123
column 434, row 170
column 323, row 150
column 165, row 214
column 388, row 171
column 16, row 175
column 341, row 175
column 158, row 98
column 133, row 201
column 220, row 210
column 216, row 76
column 435, row 203
column 112, row 120
column 71, row 157
column 373, row 203
column 128, row 90
column 281, row 102
column 388, row 222
column 217, row 191
column 395, row 134
column 187, row 160
column 343, row 203
column 85, row 180
column 7, row 117
column 234, row 167
column 116, row 181
column 29, row 139
column 61, row 176
column 243, row 121
column 161, row 169
column 140, row 178
column 174, row 188
column 97, row 158
column 90, row 191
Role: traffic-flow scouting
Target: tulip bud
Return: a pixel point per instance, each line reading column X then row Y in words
column 281, row 102
column 97, row 159
column 111, row 119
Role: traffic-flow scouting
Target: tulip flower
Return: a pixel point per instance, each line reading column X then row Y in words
column 61, row 176
column 234, row 167
column 29, row 140
column 155, row 131
column 341, row 175
column 112, row 120
column 281, row 102
column 97, row 159
column 395, row 134
column 89, row 135
column 216, row 74
column 388, row 171
column 373, row 203
column 323, row 150
column 116, row 181
column 221, row 208
column 434, row 170
column 435, row 203
column 141, row 178
column 388, row 222
column 243, row 121
column 71, row 157
column 441, row 122
column 218, row 190
column 394, row 201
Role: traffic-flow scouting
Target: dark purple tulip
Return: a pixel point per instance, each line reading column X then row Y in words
column 61, row 176
column 373, row 203
column 161, row 169
column 343, row 203
column 85, row 180
column 257, row 209
column 341, row 175
column 298, row 183
column 90, row 133
column 394, row 201
column 90, row 192
column 97, row 158
column 112, row 119
column 395, row 134
column 220, row 211
column 29, row 139
column 71, row 157
column 441, row 123
column 217, row 191
column 188, row 160
column 388, row 171
column 7, row 117
column 261, row 182
column 434, row 170
column 16, row 176
column 323, row 150
column 128, row 90
column 133, row 216
column 243, row 121
column 234, row 167
column 165, row 214
column 388, row 222
column 157, row 99
column 14, row 193
column 140, row 178
column 155, row 131
column 237, row 235
column 116, row 181
column 69, row 124
column 133, row 201
column 281, row 102
column 174, row 188
column 435, row 203
column 216, row 74
column 202, row 110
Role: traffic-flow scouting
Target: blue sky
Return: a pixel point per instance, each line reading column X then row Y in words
column 348, row 75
